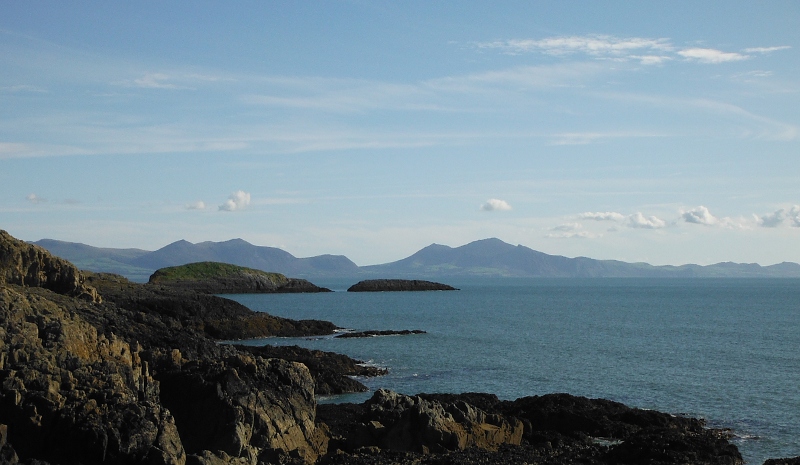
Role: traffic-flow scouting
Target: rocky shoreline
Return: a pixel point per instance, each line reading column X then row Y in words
column 95, row 369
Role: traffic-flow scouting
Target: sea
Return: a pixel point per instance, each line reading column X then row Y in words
column 724, row 350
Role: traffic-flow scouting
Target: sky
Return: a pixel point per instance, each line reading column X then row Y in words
column 667, row 133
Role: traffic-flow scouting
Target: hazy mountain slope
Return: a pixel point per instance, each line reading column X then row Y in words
column 493, row 257
column 487, row 257
column 98, row 259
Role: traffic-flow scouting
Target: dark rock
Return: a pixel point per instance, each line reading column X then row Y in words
column 331, row 372
column 90, row 381
column 217, row 317
column 558, row 429
column 384, row 285
column 372, row 333
column 29, row 265
column 785, row 461
column 412, row 424
column 245, row 406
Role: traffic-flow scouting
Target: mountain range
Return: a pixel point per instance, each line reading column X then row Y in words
column 487, row 257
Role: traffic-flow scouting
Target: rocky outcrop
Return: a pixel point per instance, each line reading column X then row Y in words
column 28, row 265
column 553, row 429
column 376, row 333
column 413, row 424
column 214, row 316
column 72, row 394
column 332, row 372
column 244, row 406
column 90, row 381
column 223, row 278
column 386, row 285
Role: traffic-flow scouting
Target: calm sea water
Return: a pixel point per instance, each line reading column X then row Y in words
column 727, row 350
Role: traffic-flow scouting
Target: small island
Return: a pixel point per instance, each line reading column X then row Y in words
column 390, row 285
column 224, row 278
column 373, row 333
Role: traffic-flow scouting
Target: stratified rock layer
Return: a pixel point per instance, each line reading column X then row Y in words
column 387, row 285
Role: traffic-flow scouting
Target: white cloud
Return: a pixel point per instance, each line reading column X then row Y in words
column 495, row 205
column 602, row 216
column 236, row 201
column 779, row 217
column 700, row 215
column 33, row 198
column 794, row 216
column 602, row 46
column 646, row 51
column 772, row 220
column 154, row 81
column 638, row 220
column 710, row 55
column 199, row 205
column 766, row 49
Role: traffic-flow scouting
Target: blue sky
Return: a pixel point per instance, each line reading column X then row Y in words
column 613, row 130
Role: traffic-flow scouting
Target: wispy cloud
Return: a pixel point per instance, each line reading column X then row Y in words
column 495, row 205
column 710, row 55
column 23, row 88
column 33, row 198
column 766, row 49
column 585, row 138
column 647, row 51
column 199, row 205
column 154, row 81
column 570, row 230
column 600, row 46
column 236, row 201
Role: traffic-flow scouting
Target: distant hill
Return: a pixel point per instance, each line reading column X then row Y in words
column 487, row 257
column 493, row 257
column 138, row 265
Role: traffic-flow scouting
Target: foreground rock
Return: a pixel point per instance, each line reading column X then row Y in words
column 480, row 429
column 331, row 372
column 387, row 285
column 133, row 376
column 223, row 278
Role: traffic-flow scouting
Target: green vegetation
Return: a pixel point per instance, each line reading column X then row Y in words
column 210, row 270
